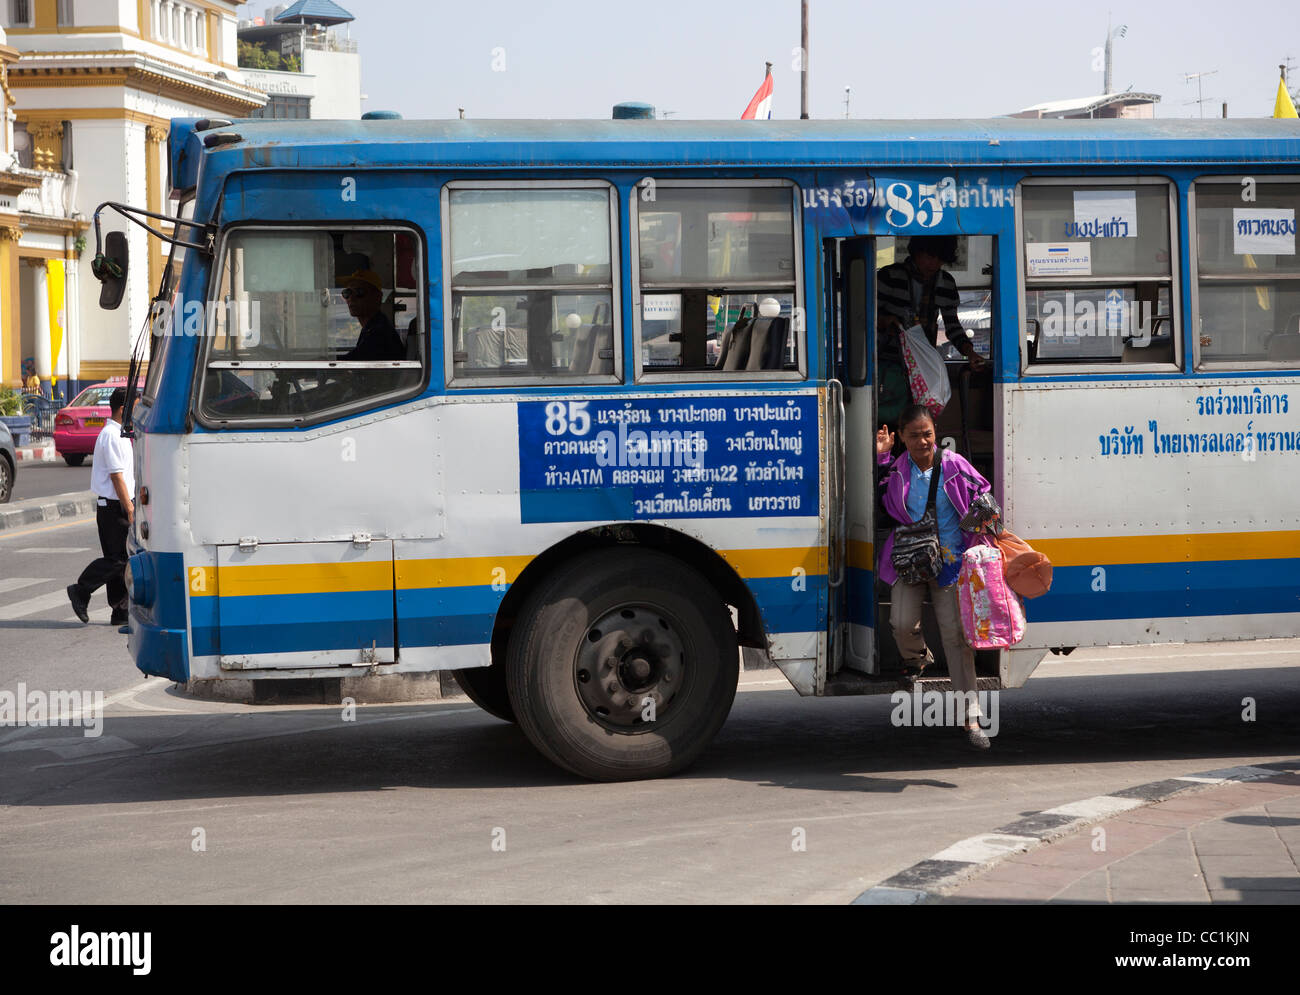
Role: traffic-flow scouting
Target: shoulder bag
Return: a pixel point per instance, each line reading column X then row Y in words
column 915, row 555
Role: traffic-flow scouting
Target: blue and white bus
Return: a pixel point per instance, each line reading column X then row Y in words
column 629, row 428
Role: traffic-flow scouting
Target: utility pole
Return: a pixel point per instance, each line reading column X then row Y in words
column 803, row 61
column 1200, row 99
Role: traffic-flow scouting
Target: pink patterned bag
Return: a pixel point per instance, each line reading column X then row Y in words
column 927, row 375
column 992, row 616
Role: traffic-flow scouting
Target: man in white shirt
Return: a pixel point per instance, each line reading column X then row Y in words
column 113, row 481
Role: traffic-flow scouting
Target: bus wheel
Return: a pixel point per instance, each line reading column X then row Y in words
column 622, row 665
column 486, row 687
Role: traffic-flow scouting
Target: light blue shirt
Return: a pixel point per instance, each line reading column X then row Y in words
column 951, row 543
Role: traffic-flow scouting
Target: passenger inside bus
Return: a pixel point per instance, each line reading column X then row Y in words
column 916, row 291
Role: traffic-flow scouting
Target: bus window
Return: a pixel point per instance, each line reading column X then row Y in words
column 306, row 324
column 717, row 280
column 532, row 283
column 1098, row 272
column 1247, row 271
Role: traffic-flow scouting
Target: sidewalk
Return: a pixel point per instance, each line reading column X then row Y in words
column 33, row 511
column 1228, row 836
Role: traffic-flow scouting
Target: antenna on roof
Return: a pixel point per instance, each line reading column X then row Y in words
column 1200, row 98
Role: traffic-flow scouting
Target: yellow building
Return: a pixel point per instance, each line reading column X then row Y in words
column 92, row 86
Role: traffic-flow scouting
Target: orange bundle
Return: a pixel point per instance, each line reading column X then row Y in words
column 1027, row 571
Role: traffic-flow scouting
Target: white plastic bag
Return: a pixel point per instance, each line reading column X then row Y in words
column 927, row 374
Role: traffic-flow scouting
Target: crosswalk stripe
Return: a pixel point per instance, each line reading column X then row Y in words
column 13, row 583
column 31, row 606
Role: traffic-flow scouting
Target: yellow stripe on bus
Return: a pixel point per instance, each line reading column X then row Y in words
column 1203, row 546
column 460, row 571
column 862, row 555
column 779, row 562
column 252, row 579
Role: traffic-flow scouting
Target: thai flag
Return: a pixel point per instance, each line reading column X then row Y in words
column 760, row 108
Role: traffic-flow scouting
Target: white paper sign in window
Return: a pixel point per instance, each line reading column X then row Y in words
column 661, row 307
column 1058, row 259
column 1263, row 231
column 1104, row 214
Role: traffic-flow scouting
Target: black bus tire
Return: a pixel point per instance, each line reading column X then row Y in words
column 614, row 630
column 486, row 687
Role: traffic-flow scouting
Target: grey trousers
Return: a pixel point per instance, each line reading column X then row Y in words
column 905, row 619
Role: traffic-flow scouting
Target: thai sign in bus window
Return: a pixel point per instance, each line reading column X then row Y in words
column 1098, row 272
column 1248, row 271
column 305, row 322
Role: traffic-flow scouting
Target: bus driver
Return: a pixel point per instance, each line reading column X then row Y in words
column 364, row 292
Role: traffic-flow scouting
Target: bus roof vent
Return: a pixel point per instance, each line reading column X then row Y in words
column 381, row 116
column 632, row 109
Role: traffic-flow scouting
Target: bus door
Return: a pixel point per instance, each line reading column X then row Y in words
column 851, row 262
column 295, row 605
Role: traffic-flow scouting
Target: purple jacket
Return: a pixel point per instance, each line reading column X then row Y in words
column 961, row 482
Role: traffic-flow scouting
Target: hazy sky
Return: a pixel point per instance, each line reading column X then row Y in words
column 704, row 58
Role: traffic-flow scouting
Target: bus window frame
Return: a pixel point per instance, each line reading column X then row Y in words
column 362, row 407
column 1043, row 369
column 800, row 327
column 1194, row 246
column 448, row 307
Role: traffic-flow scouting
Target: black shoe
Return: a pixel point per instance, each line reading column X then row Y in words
column 119, row 618
column 976, row 738
column 78, row 603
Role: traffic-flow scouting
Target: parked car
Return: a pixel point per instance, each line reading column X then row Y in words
column 77, row 426
column 8, row 463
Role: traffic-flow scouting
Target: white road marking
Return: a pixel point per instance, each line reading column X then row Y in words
column 1096, row 807
column 258, row 735
column 48, row 602
column 71, row 747
column 32, row 606
column 54, row 549
column 980, row 849
column 13, row 583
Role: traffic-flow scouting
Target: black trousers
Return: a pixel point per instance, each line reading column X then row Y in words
column 108, row 569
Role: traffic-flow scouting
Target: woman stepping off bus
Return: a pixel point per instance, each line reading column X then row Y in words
column 906, row 493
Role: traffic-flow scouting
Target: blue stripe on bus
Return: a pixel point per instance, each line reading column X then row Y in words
column 1170, row 590
column 861, row 596
column 301, row 637
column 785, row 609
column 594, row 504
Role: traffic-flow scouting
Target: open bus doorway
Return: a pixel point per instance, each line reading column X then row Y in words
column 966, row 426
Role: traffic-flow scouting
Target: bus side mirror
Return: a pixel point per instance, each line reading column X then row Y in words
column 109, row 268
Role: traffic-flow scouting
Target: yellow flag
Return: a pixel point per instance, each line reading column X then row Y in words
column 54, row 292
column 1283, row 107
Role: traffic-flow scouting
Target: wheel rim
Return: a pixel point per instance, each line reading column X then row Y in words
column 630, row 668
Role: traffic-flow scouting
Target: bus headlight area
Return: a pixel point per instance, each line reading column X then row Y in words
column 140, row 580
